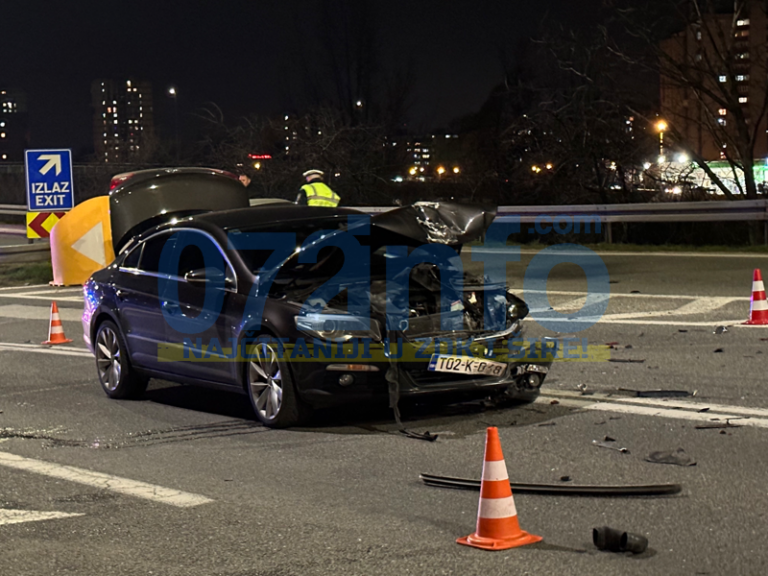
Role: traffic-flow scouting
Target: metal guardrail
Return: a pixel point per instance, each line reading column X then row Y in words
column 718, row 211
column 13, row 209
column 38, row 252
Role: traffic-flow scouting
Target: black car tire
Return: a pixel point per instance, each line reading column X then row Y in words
column 117, row 376
column 269, row 385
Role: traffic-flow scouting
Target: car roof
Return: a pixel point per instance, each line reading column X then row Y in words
column 266, row 214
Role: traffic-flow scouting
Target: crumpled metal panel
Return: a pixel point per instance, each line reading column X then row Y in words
column 448, row 223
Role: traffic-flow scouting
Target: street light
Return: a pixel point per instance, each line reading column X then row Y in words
column 441, row 170
column 456, row 170
column 173, row 94
column 661, row 126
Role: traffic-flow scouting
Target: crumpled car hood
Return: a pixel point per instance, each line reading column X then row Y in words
column 448, row 223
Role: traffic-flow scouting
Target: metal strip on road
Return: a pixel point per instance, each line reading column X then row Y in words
column 117, row 484
column 681, row 410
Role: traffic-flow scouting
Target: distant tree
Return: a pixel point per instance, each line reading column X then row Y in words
column 714, row 75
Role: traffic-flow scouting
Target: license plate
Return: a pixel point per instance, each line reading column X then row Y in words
column 465, row 365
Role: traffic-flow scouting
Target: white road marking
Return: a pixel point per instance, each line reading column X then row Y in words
column 125, row 486
column 46, row 298
column 8, row 516
column 674, row 409
column 26, row 312
column 22, row 287
column 56, row 350
column 520, row 290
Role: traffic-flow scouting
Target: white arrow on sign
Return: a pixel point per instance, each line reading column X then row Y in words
column 54, row 161
column 18, row 516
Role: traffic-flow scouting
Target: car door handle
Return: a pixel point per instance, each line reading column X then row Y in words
column 172, row 309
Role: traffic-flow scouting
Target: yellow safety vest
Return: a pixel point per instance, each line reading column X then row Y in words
column 319, row 194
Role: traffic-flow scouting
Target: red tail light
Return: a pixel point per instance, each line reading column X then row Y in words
column 119, row 179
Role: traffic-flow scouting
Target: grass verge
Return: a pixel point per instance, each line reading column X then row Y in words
column 25, row 274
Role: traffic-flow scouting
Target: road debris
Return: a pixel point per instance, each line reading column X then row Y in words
column 718, row 350
column 657, row 393
column 557, row 489
column 677, row 457
column 717, row 426
column 609, row 439
column 609, row 446
column 627, row 360
column 683, row 331
column 547, row 424
column 553, row 402
column 720, row 330
column 613, row 540
column 565, row 478
column 418, row 436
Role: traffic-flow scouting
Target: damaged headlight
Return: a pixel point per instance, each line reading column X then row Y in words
column 338, row 327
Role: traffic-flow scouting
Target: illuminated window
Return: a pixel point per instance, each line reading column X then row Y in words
column 2, row 124
column 721, row 121
column 742, row 77
column 698, row 35
column 723, row 78
column 742, row 55
column 722, row 111
column 743, row 100
column 744, row 22
column 742, row 34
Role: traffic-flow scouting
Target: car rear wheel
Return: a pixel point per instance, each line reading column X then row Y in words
column 116, row 375
column 270, row 388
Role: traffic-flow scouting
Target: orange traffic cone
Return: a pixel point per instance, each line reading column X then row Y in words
column 497, row 525
column 758, row 307
column 56, row 330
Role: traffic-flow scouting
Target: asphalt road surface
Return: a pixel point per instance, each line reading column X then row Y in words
column 186, row 482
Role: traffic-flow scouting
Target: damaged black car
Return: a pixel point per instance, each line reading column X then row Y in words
column 298, row 307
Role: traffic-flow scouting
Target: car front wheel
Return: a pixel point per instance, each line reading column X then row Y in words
column 269, row 386
column 116, row 375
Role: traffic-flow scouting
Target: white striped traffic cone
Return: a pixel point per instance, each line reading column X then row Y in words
column 497, row 525
column 758, row 307
column 56, row 330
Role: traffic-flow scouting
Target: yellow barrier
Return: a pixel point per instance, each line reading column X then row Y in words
column 81, row 242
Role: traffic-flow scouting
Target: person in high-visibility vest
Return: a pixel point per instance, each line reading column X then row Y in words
column 316, row 192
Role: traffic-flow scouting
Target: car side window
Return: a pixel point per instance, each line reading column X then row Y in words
column 153, row 249
column 192, row 259
column 132, row 260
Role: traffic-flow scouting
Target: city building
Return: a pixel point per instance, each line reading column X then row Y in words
column 14, row 131
column 722, row 61
column 123, row 119
column 430, row 156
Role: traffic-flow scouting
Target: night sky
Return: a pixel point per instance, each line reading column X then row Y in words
column 246, row 56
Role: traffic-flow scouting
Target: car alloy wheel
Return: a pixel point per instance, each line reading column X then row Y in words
column 108, row 358
column 266, row 383
column 116, row 374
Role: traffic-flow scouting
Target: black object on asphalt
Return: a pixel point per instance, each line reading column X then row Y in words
column 613, row 540
column 556, row 489
column 720, row 330
column 719, row 350
column 656, row 393
column 677, row 457
column 418, row 436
